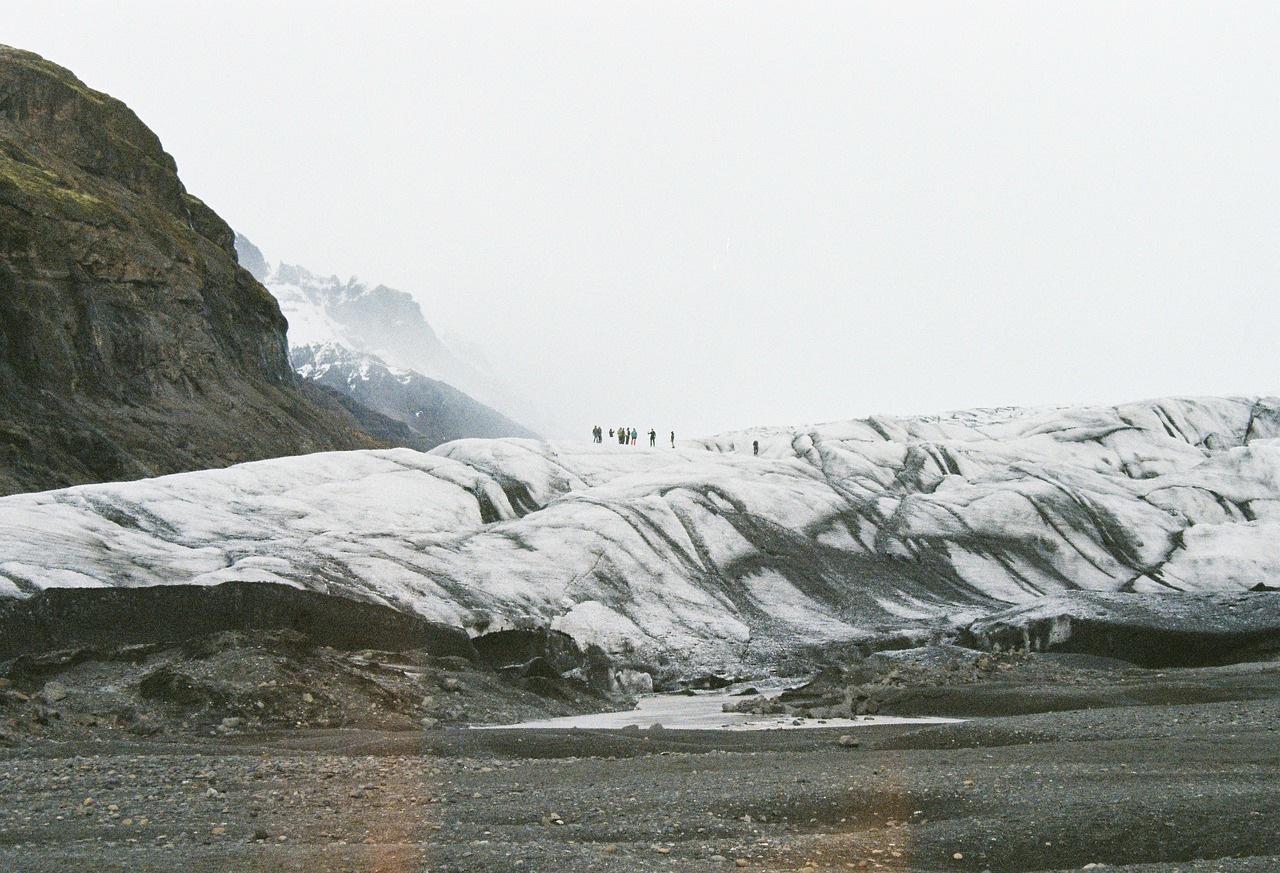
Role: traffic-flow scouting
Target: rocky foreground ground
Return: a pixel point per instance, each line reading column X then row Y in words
column 1135, row 770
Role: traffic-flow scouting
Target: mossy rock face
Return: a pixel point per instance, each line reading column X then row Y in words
column 125, row 320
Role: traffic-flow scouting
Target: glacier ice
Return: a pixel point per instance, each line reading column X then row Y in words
column 706, row 554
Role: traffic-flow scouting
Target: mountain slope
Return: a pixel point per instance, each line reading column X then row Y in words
column 131, row 343
column 708, row 555
column 434, row 412
column 386, row 324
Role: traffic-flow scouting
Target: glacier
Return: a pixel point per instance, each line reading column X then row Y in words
column 707, row 555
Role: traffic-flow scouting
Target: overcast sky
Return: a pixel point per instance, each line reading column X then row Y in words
column 702, row 216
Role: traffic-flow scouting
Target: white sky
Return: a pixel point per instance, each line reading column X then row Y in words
column 713, row 215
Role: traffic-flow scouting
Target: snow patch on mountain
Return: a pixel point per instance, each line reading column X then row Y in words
column 383, row 323
column 434, row 412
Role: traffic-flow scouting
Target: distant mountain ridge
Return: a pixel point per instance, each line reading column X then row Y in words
column 374, row 344
column 434, row 411
column 131, row 343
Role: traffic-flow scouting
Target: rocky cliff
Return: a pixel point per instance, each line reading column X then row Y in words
column 131, row 342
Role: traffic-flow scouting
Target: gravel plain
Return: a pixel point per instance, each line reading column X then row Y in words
column 1161, row 786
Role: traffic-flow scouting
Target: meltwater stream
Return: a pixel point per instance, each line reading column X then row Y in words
column 702, row 711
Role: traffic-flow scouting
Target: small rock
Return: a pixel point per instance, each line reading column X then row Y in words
column 53, row 692
column 663, row 850
column 260, row 834
column 308, row 697
column 144, row 725
column 217, row 832
column 849, row 742
column 958, row 856
column 742, row 862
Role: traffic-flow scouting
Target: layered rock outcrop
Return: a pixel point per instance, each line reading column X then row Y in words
column 131, row 342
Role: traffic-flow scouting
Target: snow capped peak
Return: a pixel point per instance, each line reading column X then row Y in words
column 384, row 323
column 316, row 360
column 373, row 320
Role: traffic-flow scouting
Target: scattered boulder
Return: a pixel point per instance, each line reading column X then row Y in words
column 53, row 692
column 633, row 682
column 710, row 682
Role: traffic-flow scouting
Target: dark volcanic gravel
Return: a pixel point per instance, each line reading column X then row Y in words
column 1153, row 787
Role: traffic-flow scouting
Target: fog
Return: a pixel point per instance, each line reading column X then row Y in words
column 703, row 216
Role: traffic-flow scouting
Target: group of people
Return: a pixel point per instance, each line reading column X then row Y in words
column 628, row 436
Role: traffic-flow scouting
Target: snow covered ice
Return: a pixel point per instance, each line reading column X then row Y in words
column 707, row 555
